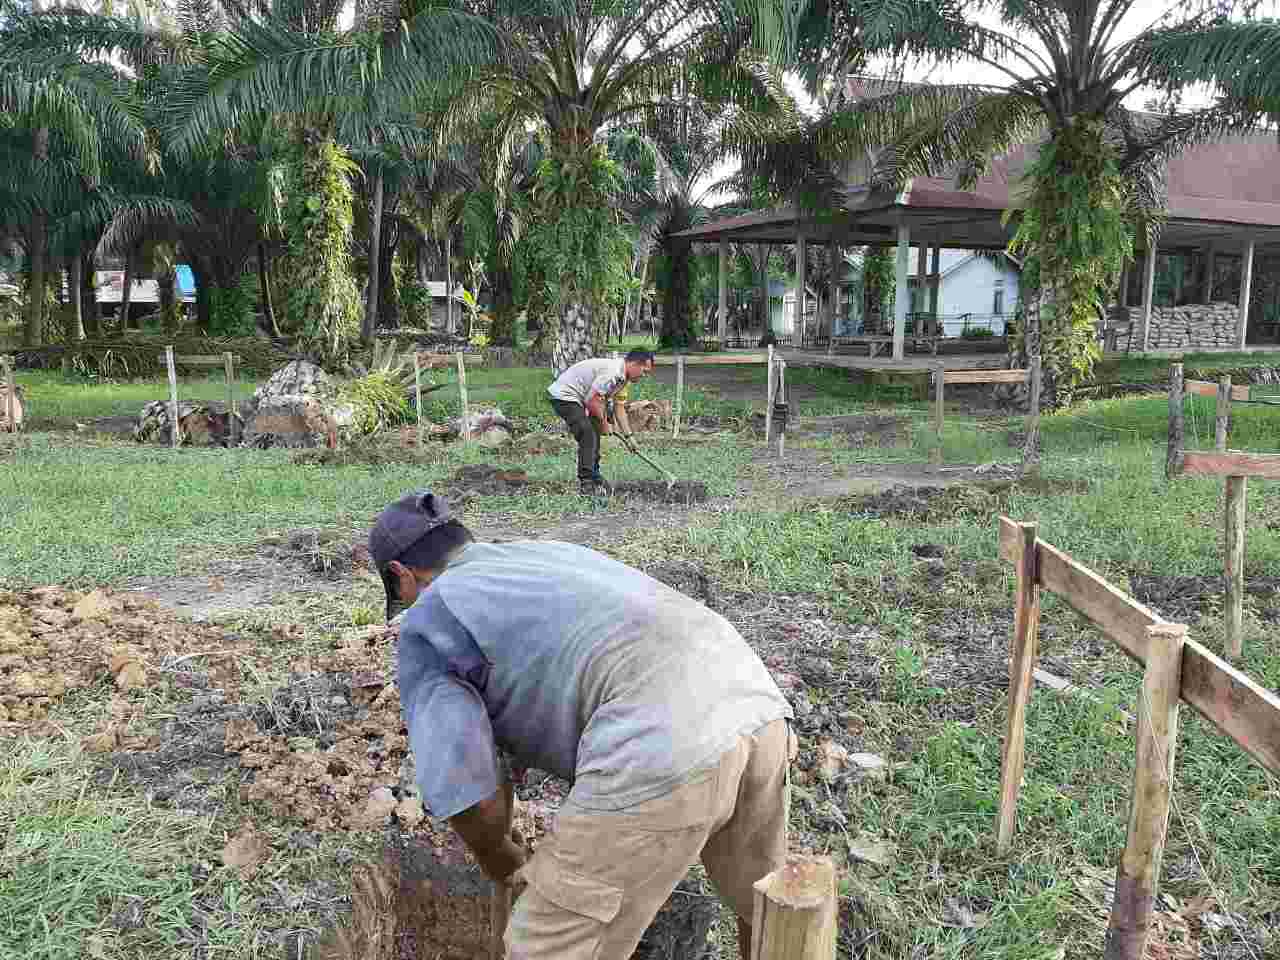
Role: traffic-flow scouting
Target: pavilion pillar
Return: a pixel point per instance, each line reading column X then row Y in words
column 833, row 297
column 902, row 292
column 802, row 256
column 1123, row 299
column 1148, row 293
column 1210, row 264
column 935, row 287
column 1246, row 289
column 724, row 289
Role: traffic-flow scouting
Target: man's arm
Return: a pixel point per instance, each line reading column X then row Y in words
column 620, row 414
column 596, row 409
column 486, row 830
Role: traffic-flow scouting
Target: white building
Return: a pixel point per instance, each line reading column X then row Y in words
column 974, row 291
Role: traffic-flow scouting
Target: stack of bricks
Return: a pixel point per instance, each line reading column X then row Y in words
column 1192, row 325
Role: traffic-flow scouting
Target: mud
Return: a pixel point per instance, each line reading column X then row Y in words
column 1185, row 599
column 682, row 491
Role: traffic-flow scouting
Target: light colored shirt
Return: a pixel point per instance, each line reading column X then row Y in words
column 576, row 664
column 603, row 376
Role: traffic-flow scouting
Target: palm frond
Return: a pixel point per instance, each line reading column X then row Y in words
column 1242, row 58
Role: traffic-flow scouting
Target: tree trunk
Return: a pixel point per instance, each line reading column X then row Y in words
column 676, row 316
column 576, row 338
column 503, row 332
column 766, row 314
column 204, row 302
column 388, row 292
column 167, row 293
column 448, row 280
column 89, row 296
column 264, row 286
column 75, row 286
column 36, row 289
column 375, row 261
column 126, row 292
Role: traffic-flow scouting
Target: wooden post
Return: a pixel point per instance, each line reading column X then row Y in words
column 499, row 917
column 675, row 420
column 782, row 392
column 1223, row 415
column 902, row 295
column 175, row 429
column 1234, row 567
column 10, row 395
column 417, row 391
column 768, row 400
column 229, row 368
column 1138, row 874
column 1173, row 457
column 939, row 377
column 1246, row 289
column 462, row 396
column 1022, row 662
column 1148, row 293
column 794, row 914
column 722, row 291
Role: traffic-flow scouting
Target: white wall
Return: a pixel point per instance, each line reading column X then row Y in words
column 970, row 287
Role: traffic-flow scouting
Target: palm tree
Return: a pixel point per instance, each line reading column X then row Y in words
column 1241, row 57
column 1095, row 180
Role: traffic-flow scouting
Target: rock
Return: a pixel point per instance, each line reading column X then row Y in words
column 246, row 851
column 833, row 759
column 879, row 853
column 871, row 765
column 480, row 421
column 377, row 809
column 91, row 605
column 409, row 811
column 494, row 437
column 131, row 676
column 296, row 408
column 298, row 378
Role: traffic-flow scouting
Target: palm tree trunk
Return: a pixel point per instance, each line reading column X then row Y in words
column 375, row 261
column 264, row 286
column 574, row 339
column 166, row 292
column 676, row 319
column 204, row 301
column 76, row 289
column 35, row 293
column 89, row 296
column 126, row 292
column 766, row 315
column 448, row 280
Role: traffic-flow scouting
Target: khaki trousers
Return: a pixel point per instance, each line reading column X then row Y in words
column 598, row 881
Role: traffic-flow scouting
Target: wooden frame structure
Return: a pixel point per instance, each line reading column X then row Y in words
column 1236, row 467
column 942, row 376
column 11, row 399
column 227, row 361
column 1176, row 669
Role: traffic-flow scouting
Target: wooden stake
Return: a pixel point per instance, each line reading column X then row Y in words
column 1032, row 444
column 675, row 420
column 794, row 915
column 1138, row 874
column 768, row 400
column 1234, row 568
column 462, row 395
column 10, row 395
column 417, row 392
column 1223, row 416
column 499, row 916
column 939, row 379
column 782, row 392
column 229, row 368
column 175, row 429
column 1022, row 663
column 1173, row 457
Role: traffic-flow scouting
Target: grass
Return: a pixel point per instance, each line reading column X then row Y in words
column 932, row 640
column 1131, row 369
column 56, row 401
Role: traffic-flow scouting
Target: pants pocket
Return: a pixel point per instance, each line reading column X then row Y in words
column 562, row 914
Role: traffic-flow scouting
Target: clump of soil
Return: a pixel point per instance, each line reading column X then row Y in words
column 375, row 451
column 488, row 475
column 981, row 498
column 682, row 491
column 689, row 578
column 320, row 551
column 54, row 641
column 1185, row 598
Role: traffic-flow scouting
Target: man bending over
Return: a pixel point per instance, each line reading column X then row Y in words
column 672, row 731
column 581, row 397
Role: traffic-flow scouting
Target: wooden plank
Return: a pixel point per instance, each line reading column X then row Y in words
column 1237, row 705
column 1138, row 873
column 1232, row 464
column 782, row 394
column 716, row 359
column 939, row 379
column 1222, row 416
column 433, row 360
column 1204, row 388
column 675, row 419
column 1234, row 566
column 199, row 360
column 1173, row 458
column 462, row 397
column 10, row 395
column 1031, row 446
column 1022, row 663
column 794, row 911
column 417, row 393
column 229, row 370
column 175, row 428
column 768, row 401
column 986, row 376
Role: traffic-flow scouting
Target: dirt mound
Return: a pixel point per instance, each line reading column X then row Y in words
column 682, row 491
column 689, row 578
column 54, row 641
column 1185, row 599
column 921, row 503
column 320, row 551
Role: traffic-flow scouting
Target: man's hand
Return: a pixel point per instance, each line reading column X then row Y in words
column 501, row 864
column 486, row 830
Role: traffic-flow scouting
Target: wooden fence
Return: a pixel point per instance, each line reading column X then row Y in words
column 12, row 420
column 227, row 361
column 1235, row 466
column 1176, row 669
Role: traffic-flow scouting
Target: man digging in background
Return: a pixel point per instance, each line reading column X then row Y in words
column 672, row 731
column 581, row 396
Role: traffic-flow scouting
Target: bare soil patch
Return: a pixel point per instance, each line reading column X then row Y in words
column 1185, row 599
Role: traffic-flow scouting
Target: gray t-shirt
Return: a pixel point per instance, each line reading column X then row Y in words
column 576, row 664
column 575, row 385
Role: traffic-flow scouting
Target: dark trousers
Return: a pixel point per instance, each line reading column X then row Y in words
column 586, row 432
